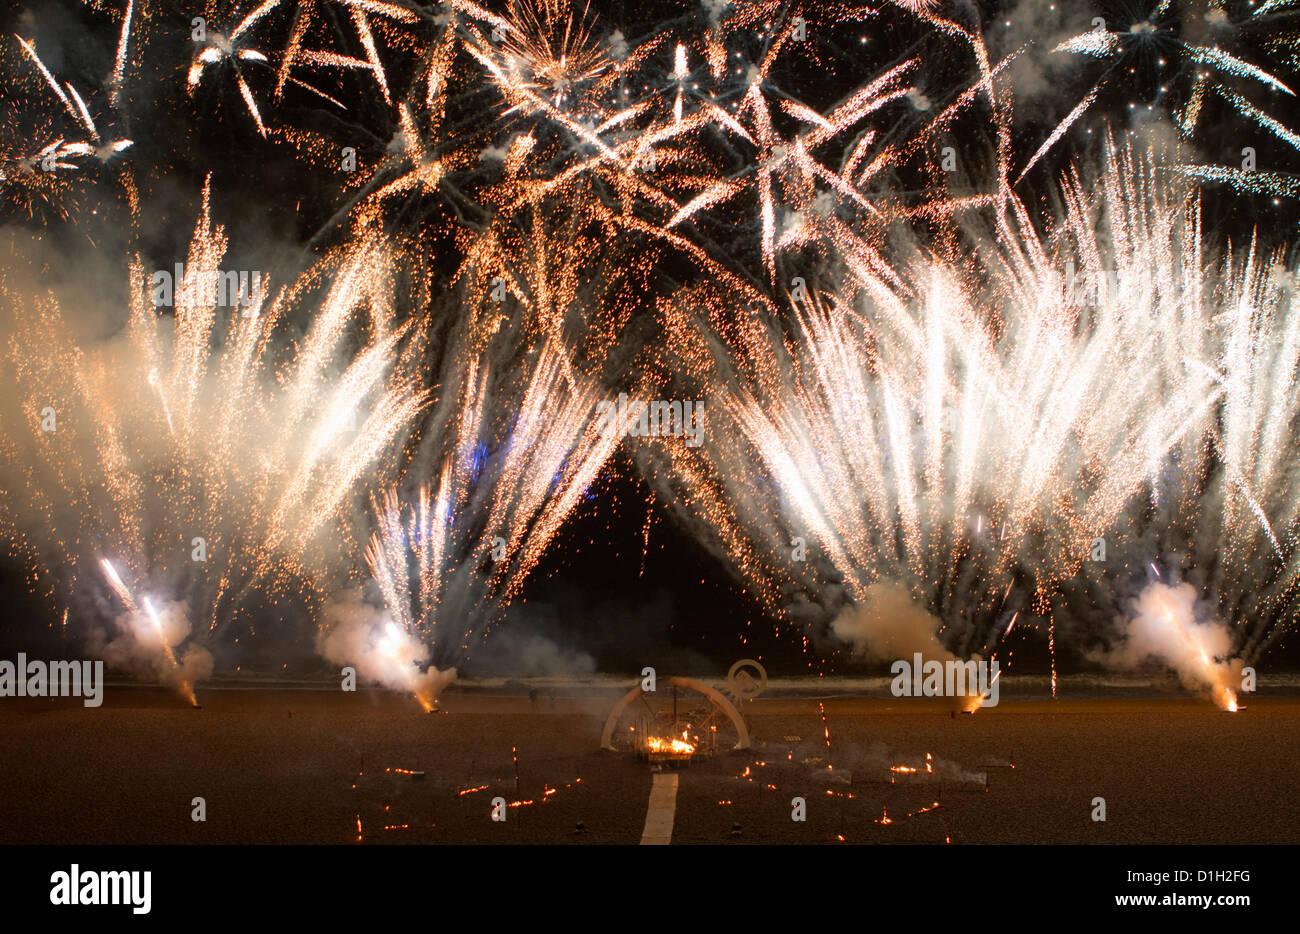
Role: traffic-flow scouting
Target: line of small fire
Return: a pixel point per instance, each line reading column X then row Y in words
column 548, row 793
column 901, row 773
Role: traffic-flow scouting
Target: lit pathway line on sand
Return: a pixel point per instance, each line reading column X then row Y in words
column 659, row 812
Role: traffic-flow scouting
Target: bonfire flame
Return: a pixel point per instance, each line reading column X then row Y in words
column 675, row 746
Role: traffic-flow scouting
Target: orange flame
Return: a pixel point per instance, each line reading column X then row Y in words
column 675, row 746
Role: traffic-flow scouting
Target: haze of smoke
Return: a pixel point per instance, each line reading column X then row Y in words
column 1035, row 28
column 1163, row 627
column 362, row 636
column 889, row 625
column 138, row 647
column 534, row 656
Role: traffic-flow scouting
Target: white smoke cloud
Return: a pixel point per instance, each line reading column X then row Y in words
column 1163, row 628
column 357, row 634
column 889, row 624
column 142, row 640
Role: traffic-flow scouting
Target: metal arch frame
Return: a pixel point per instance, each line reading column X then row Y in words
column 717, row 697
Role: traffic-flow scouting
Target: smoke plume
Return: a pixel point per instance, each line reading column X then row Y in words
column 1163, row 628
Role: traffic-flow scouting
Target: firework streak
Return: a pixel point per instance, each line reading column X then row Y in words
column 1019, row 412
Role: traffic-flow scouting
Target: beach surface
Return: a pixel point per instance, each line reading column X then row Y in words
column 318, row 767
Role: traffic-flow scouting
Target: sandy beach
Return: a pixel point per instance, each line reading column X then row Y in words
column 327, row 767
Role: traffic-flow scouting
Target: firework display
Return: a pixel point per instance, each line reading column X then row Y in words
column 184, row 460
column 532, row 363
column 911, row 368
column 447, row 561
column 979, row 462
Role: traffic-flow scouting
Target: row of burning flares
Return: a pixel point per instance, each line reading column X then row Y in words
column 673, row 746
column 924, row 775
column 548, row 794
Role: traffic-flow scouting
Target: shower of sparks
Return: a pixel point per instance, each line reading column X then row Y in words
column 450, row 561
column 907, row 367
column 95, row 146
column 188, row 460
column 1199, row 53
column 222, row 48
column 882, row 427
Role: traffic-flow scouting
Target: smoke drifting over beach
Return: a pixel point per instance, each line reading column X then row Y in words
column 889, row 624
column 359, row 635
column 141, row 644
column 1163, row 628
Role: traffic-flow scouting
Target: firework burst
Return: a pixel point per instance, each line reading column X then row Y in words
column 968, row 437
column 515, row 458
column 809, row 215
column 199, row 458
column 1180, row 55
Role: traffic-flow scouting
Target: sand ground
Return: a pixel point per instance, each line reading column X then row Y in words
column 279, row 766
